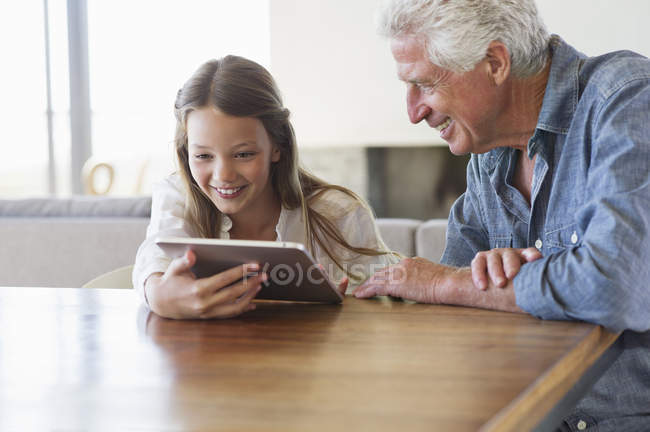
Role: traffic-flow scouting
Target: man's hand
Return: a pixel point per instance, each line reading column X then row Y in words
column 427, row 282
column 412, row 279
column 500, row 265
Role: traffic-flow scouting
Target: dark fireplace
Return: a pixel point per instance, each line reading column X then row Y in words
column 414, row 182
column 398, row 182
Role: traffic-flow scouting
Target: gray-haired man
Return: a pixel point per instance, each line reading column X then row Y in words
column 555, row 220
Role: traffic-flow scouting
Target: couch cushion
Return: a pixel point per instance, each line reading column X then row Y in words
column 66, row 252
column 399, row 234
column 430, row 239
column 77, row 206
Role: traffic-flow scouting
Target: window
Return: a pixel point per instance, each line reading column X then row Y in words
column 139, row 55
column 24, row 112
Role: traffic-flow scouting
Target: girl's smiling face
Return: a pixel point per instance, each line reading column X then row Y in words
column 230, row 159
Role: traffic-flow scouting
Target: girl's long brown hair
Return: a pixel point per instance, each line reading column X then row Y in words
column 240, row 87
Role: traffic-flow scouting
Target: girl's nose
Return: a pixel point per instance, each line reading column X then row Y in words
column 224, row 172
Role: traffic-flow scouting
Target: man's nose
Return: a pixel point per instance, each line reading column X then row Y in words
column 416, row 108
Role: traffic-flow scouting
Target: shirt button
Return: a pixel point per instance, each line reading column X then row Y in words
column 574, row 237
column 582, row 425
column 538, row 244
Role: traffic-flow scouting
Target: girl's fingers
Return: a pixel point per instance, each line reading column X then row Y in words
column 232, row 309
column 181, row 264
column 343, row 285
column 233, row 292
column 228, row 277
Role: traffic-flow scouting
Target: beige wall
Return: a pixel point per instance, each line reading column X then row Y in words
column 339, row 80
column 599, row 26
column 337, row 76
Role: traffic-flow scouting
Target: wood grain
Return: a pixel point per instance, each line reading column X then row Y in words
column 74, row 359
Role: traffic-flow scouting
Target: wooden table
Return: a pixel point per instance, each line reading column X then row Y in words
column 81, row 360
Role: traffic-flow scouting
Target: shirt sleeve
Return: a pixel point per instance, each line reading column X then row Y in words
column 357, row 225
column 167, row 220
column 605, row 278
column 466, row 235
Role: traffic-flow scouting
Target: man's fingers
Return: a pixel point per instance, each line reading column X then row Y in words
column 372, row 289
column 367, row 289
column 379, row 275
column 382, row 282
column 511, row 263
column 364, row 291
column 495, row 270
column 479, row 271
column 500, row 265
column 531, row 254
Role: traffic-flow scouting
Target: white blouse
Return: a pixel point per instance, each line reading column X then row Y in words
column 355, row 222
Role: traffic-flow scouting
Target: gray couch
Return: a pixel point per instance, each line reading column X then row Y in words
column 67, row 242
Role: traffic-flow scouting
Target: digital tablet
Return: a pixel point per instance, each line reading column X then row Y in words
column 293, row 275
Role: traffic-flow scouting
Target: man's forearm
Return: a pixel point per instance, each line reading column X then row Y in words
column 427, row 282
column 456, row 287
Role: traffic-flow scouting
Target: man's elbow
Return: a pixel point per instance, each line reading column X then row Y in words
column 621, row 306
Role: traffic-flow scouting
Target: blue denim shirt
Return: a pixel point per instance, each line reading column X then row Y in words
column 589, row 216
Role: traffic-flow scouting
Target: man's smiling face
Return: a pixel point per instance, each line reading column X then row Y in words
column 463, row 107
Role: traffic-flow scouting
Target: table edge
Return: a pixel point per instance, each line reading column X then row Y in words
column 528, row 409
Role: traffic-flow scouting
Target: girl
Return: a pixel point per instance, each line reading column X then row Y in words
column 239, row 178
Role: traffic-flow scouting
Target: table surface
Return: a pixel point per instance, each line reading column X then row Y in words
column 85, row 359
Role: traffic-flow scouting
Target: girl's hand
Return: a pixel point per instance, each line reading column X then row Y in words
column 501, row 265
column 179, row 294
column 342, row 286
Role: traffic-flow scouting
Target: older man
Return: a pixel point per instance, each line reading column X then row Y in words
column 555, row 220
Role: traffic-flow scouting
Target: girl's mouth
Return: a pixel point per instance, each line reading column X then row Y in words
column 229, row 193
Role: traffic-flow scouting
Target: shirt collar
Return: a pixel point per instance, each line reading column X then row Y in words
column 226, row 224
column 559, row 104
column 562, row 89
column 281, row 227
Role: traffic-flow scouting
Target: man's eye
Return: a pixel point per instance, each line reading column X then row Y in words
column 426, row 88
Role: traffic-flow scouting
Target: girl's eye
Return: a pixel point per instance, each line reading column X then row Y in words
column 202, row 156
column 244, row 155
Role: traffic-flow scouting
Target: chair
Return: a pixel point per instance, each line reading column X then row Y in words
column 118, row 278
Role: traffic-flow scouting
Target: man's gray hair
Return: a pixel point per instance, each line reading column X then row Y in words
column 457, row 33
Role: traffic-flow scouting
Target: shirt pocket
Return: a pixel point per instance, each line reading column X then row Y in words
column 562, row 238
column 500, row 241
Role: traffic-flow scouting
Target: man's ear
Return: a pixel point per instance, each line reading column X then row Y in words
column 275, row 154
column 498, row 62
